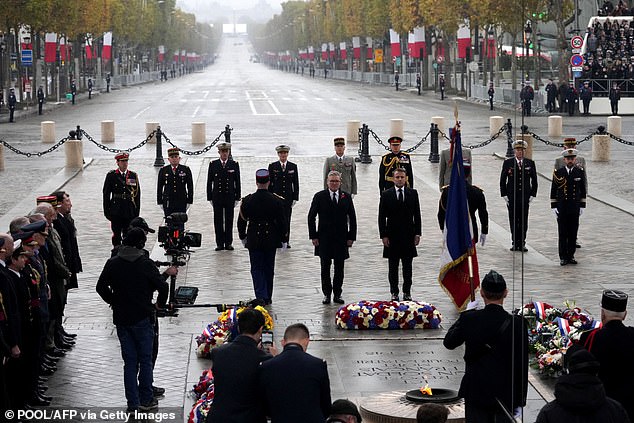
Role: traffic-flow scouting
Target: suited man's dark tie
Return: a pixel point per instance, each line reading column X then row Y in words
column 334, row 198
column 400, row 195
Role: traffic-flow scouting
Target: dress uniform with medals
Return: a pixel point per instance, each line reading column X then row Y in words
column 567, row 200
column 344, row 165
column 392, row 160
column 580, row 162
column 518, row 187
column 121, row 198
column 284, row 181
column 262, row 229
column 223, row 192
column 175, row 188
column 613, row 347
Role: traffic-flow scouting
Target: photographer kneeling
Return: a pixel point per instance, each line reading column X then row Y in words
column 127, row 283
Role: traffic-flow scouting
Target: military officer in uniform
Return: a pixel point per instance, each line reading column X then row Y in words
column 223, row 193
column 567, row 200
column 613, row 347
column 11, row 102
column 344, row 165
column 444, row 171
column 284, row 181
column 40, row 99
column 392, row 160
column 262, row 229
column 121, row 197
column 175, row 188
column 580, row 162
column 518, row 187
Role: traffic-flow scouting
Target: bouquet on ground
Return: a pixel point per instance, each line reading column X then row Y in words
column 204, row 394
column 388, row 315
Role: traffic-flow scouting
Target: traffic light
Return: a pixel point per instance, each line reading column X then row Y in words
column 538, row 15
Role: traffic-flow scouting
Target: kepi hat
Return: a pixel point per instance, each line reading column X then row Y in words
column 395, row 139
column 570, row 141
column 174, row 151
column 262, row 176
column 122, row 156
column 614, row 300
column 50, row 199
column 339, row 141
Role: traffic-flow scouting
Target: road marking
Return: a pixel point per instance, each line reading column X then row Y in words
column 139, row 114
column 196, row 111
column 206, row 94
column 260, row 96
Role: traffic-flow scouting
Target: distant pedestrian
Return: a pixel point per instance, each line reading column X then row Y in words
column 11, row 102
column 108, row 83
column 441, row 84
column 89, row 88
column 527, row 94
column 432, row 413
column 73, row 90
column 615, row 96
column 343, row 164
column 551, row 95
column 40, row 100
column 396, row 78
column 491, row 94
column 585, row 94
column 563, row 97
column 121, row 198
column 572, row 100
column 418, row 83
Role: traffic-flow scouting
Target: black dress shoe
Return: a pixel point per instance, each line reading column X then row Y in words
column 338, row 300
column 50, row 357
column 158, row 391
column 407, row 297
column 395, row 297
column 56, row 352
column 43, row 397
column 572, row 261
column 268, row 301
column 577, row 245
column 563, row 262
column 229, row 248
column 288, row 245
column 38, row 402
column 219, row 248
column 70, row 335
column 326, row 300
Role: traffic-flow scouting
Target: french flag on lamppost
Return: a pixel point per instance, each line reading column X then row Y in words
column 324, row 51
column 342, row 50
column 369, row 53
column 89, row 51
column 63, row 50
column 331, row 48
column 50, row 47
column 106, row 52
column 464, row 40
column 395, row 42
column 356, row 47
column 458, row 242
column 161, row 53
column 416, row 42
column 183, row 55
column 311, row 53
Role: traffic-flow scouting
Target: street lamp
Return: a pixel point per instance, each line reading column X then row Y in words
column 528, row 32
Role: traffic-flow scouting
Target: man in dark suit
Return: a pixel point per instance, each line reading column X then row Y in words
column 237, row 398
column 175, row 187
column 390, row 161
column 335, row 234
column 496, row 355
column 518, row 187
column 121, row 198
column 65, row 226
column 400, row 230
column 223, row 193
column 295, row 384
column 265, row 216
column 285, row 183
column 567, row 201
column 613, row 347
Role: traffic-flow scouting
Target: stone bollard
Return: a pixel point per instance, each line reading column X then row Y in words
column 47, row 129
column 74, row 154
column 614, row 126
column 601, row 148
column 396, row 128
column 529, row 141
column 107, row 131
column 1, row 157
column 149, row 127
column 555, row 126
column 198, row 133
column 352, row 132
column 440, row 121
column 495, row 123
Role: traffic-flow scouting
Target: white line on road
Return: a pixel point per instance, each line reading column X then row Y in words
column 196, row 111
column 139, row 114
column 277, row 112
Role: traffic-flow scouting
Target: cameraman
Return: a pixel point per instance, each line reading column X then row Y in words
column 127, row 283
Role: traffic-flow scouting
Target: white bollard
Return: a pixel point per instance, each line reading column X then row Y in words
column 495, row 123
column 614, row 125
column 149, row 127
column 107, row 131
column 47, row 129
column 198, row 133
column 74, row 151
column 352, row 131
column 396, row 128
column 555, row 126
column 440, row 121
column 601, row 148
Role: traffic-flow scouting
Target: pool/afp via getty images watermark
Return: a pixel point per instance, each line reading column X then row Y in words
column 172, row 415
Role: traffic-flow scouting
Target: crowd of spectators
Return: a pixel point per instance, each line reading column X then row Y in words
column 610, row 49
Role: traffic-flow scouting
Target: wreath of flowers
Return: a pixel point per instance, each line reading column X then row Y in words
column 552, row 330
column 224, row 329
column 388, row 315
column 204, row 394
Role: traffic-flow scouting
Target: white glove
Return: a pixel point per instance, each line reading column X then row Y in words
column 235, row 204
column 211, row 203
column 483, row 239
column 580, row 212
column 160, row 206
column 530, row 199
column 506, row 199
column 284, row 246
column 474, row 305
column 555, row 212
column 294, row 202
column 352, row 196
column 244, row 242
column 517, row 414
column 187, row 208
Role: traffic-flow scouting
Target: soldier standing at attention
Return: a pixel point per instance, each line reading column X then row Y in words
column 223, row 193
column 392, row 160
column 284, row 181
column 175, row 188
column 11, row 102
column 40, row 100
column 121, row 198
column 262, row 229
column 344, row 165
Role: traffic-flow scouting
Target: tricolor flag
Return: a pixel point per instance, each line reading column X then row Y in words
column 50, row 47
column 540, row 310
column 324, row 51
column 356, row 47
column 311, row 53
column 369, row 53
column 175, row 57
column 63, row 50
column 303, row 54
column 106, row 53
column 464, row 41
column 564, row 326
column 395, row 42
column 416, row 42
column 343, row 52
column 183, row 55
column 89, row 54
column 458, row 238
column 331, row 47
column 161, row 53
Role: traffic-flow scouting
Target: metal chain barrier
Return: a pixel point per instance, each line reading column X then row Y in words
column 117, row 150
column 599, row 131
column 483, row 143
column 615, row 138
column 39, row 153
column 197, row 152
column 409, row 150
